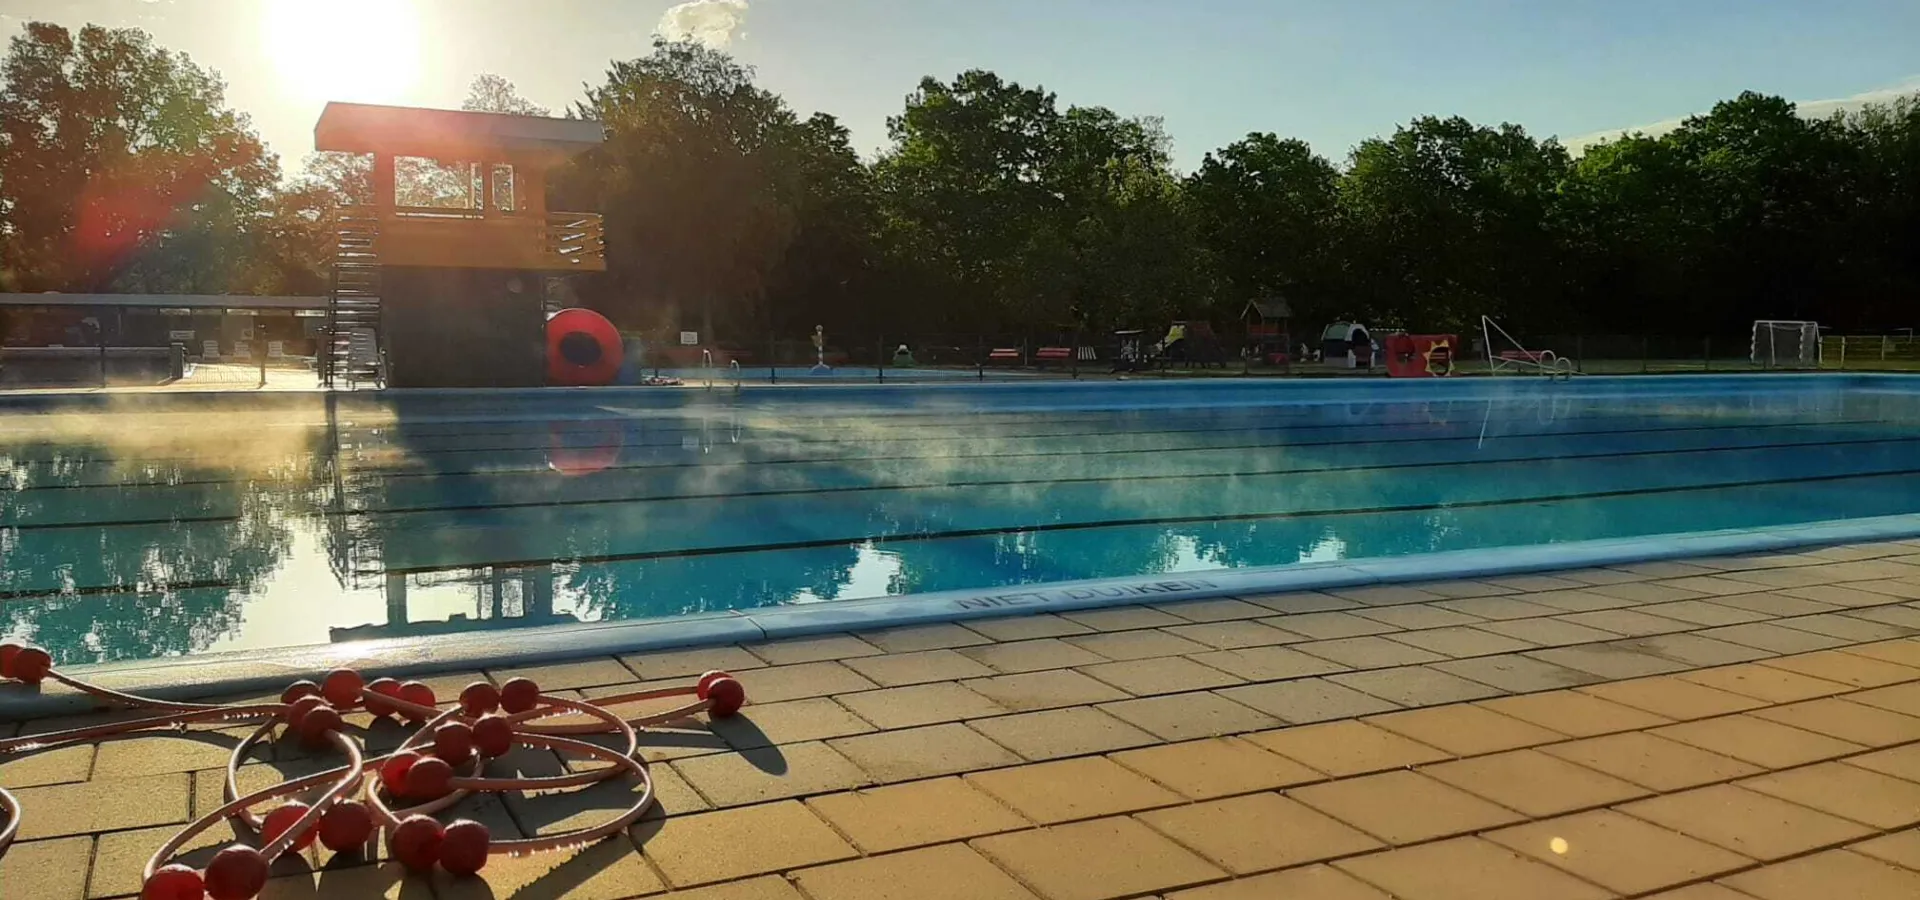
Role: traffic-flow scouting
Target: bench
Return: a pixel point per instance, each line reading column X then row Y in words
column 1004, row 354
column 1532, row 356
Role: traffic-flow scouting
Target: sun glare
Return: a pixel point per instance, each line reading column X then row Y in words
column 356, row 50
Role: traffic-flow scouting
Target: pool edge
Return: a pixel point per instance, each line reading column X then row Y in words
column 267, row 671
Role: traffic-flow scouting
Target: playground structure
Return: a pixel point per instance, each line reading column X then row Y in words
column 1269, row 324
column 441, row 763
column 454, row 295
column 1520, row 359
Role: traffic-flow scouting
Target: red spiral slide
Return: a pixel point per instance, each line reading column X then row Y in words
column 583, row 349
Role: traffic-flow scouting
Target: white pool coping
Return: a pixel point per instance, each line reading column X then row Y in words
column 260, row 671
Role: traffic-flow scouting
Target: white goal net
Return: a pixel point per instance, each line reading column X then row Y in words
column 1786, row 345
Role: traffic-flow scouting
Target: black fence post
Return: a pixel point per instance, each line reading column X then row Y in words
column 1646, row 352
column 262, row 350
column 1073, row 362
column 980, row 358
column 880, row 356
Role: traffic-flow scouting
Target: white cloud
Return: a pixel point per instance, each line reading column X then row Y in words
column 1809, row 109
column 715, row 23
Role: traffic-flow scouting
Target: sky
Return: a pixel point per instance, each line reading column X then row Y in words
column 1332, row 72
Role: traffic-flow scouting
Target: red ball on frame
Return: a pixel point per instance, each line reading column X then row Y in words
column 479, row 698
column 301, row 708
column 299, row 689
column 419, row 695
column 31, row 665
column 727, row 696
column 315, row 726
column 342, row 688
column 706, row 681
column 493, row 736
column 174, row 882
column 430, row 778
column 415, row 842
column 278, row 821
column 463, row 847
column 236, row 873
column 8, row 651
column 377, row 691
column 393, row 772
column 519, row 695
column 346, row 826
column 453, row 742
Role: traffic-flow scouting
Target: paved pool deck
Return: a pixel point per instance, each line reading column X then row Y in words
column 1719, row 729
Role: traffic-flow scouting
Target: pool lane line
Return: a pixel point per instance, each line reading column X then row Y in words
column 96, row 590
column 395, row 475
column 880, row 540
column 123, row 523
column 1096, row 479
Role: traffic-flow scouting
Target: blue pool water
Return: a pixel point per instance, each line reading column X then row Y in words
column 181, row 525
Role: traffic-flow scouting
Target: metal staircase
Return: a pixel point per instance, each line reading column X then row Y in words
column 354, row 352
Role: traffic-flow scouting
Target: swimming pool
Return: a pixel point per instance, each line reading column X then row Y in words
column 157, row 525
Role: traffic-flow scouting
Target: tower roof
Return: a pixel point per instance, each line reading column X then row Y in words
column 449, row 134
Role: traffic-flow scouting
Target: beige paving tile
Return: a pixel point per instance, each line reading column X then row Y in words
column 1533, row 782
column 1903, row 615
column 914, row 638
column 1693, row 649
column 1646, row 592
column 1221, row 767
column 1420, row 615
column 1858, row 595
column 920, row 704
column 1305, row 883
column 766, row 887
column 1715, row 585
column 813, row 649
column 1180, row 717
column 1160, row 675
column 1900, row 698
column 1035, row 655
column 1072, row 789
column 1322, row 626
column 798, row 682
column 896, row 669
column 1306, row 602
column 1901, row 849
column 1577, row 601
column 682, row 663
column 1900, row 762
column 1120, row 645
column 1618, row 852
column 1776, row 605
column 1239, row 834
column 790, row 722
column 1123, row 618
column 1628, row 622
column 1062, row 732
column 1499, row 608
column 1382, row 595
column 1347, row 748
column 1467, row 869
column 565, row 676
column 1904, row 652
column 67, row 809
column 1306, row 700
column 41, row 767
column 1516, row 673
column 1044, row 690
column 1846, row 791
column 1463, row 589
column 1465, row 730
column 1835, row 717
column 1236, row 635
column 48, row 870
column 1664, row 569
column 1573, row 713
column 1771, row 637
column 1836, row 873
column 120, row 858
column 1404, row 807
column 1461, row 641
column 1024, row 628
column 781, row 836
column 893, row 756
column 1223, row 610
column 1675, row 698
column 1848, row 627
column 1704, row 612
column 1768, row 683
column 947, row 872
column 1534, row 583
column 1415, row 685
column 1097, row 860
column 1708, row 891
column 384, row 882
column 1267, row 663
column 1758, row 741
column 1847, row 668
column 1548, row 632
column 1746, row 822
column 879, row 820
column 604, row 870
column 1652, row 762
column 794, row 770
column 1608, row 660
column 1369, row 652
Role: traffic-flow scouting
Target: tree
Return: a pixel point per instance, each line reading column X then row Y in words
column 494, row 94
column 1267, row 208
column 122, row 167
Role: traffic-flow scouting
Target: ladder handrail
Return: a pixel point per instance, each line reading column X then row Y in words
column 1546, row 361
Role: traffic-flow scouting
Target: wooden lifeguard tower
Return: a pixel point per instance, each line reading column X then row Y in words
column 452, row 296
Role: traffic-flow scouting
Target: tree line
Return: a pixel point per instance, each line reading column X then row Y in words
column 997, row 209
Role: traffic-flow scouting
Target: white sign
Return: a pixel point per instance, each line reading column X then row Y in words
column 210, row 349
column 242, row 348
column 180, row 335
column 689, row 338
column 276, row 349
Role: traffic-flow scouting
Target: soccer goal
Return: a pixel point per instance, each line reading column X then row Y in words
column 1786, row 345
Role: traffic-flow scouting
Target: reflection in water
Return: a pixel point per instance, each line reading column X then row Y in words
column 127, row 534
